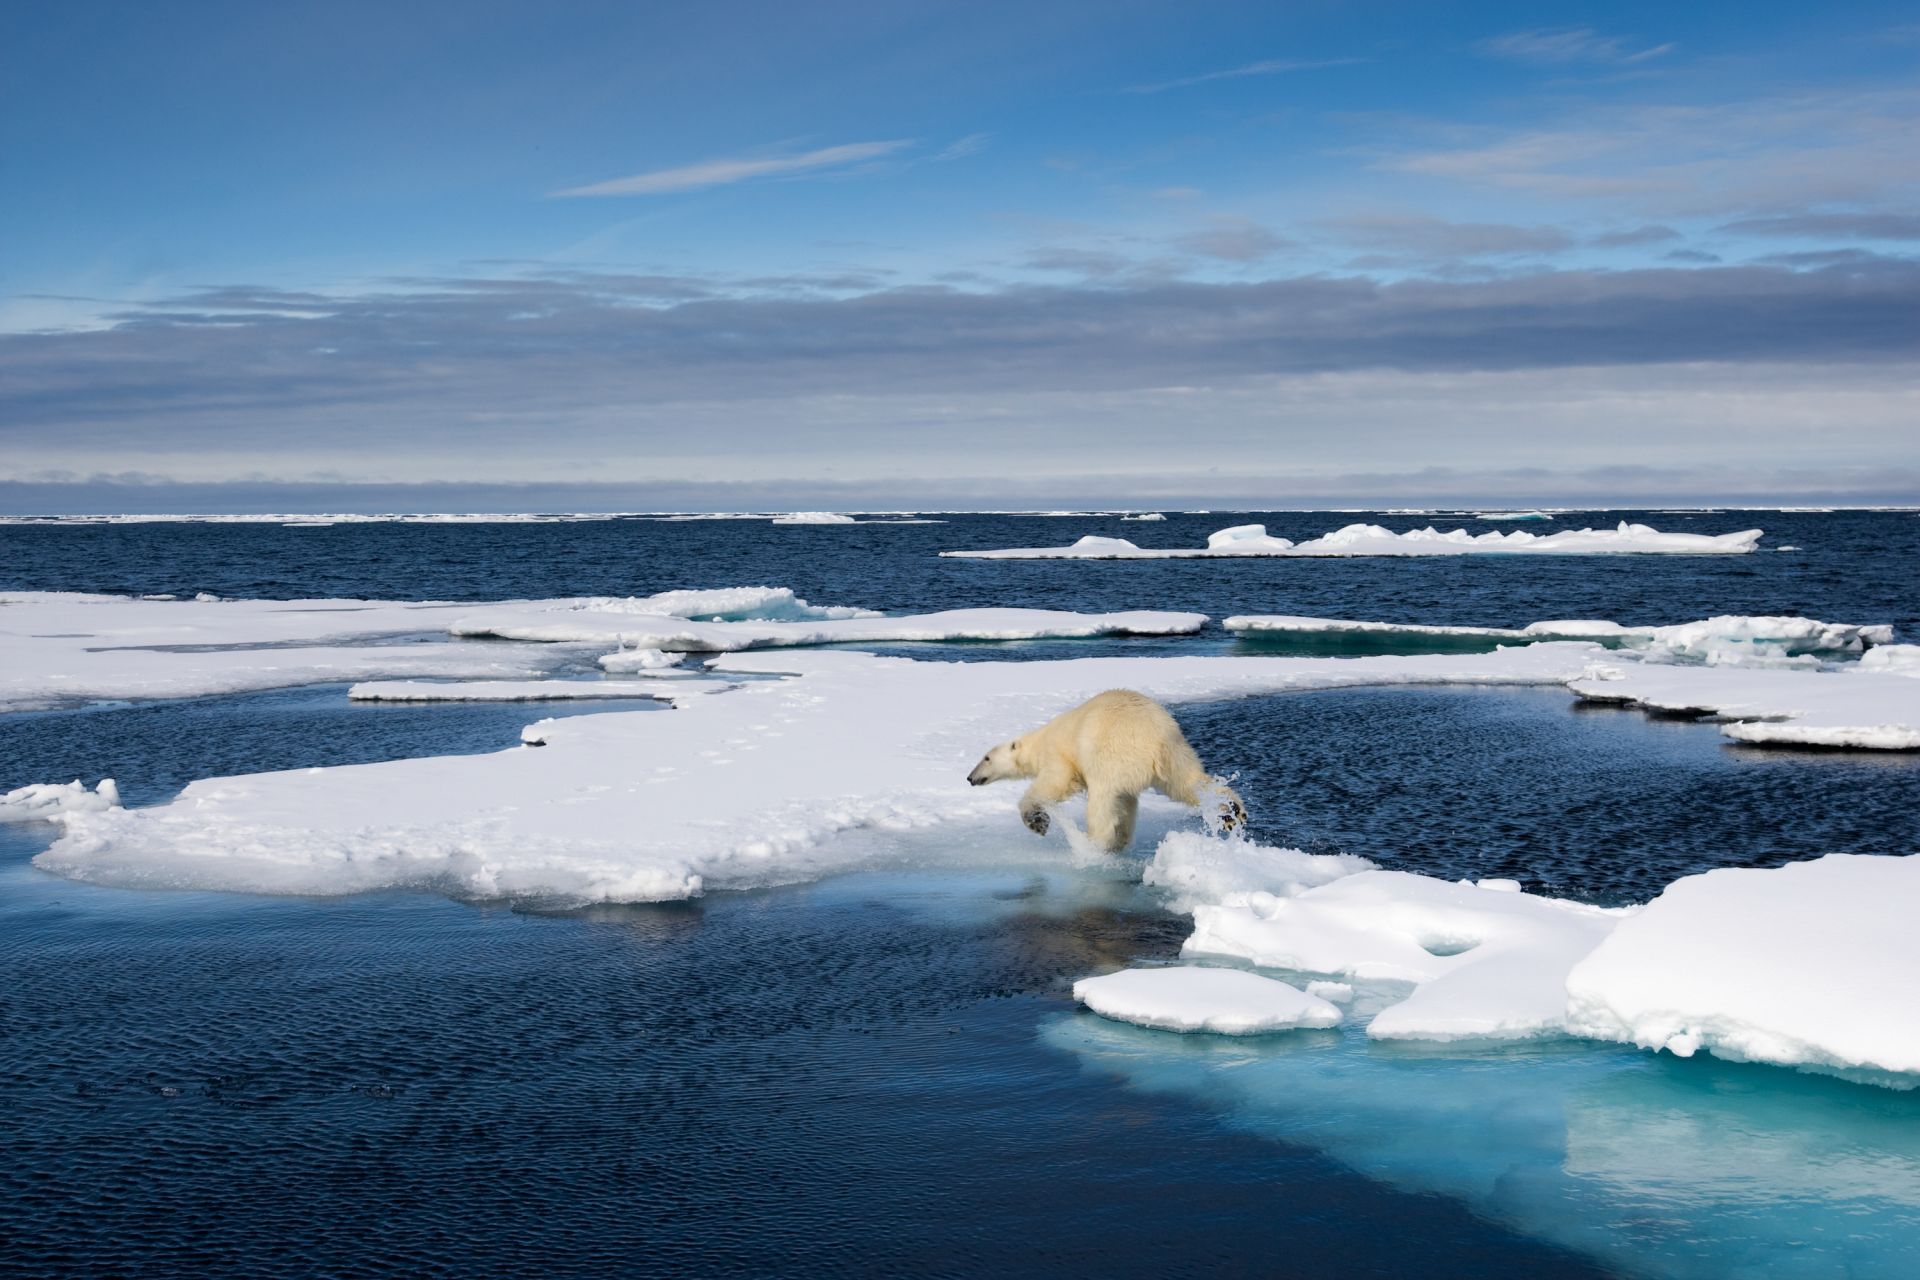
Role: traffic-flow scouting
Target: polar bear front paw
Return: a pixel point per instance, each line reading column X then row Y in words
column 1037, row 821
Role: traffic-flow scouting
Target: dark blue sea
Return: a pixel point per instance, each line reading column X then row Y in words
column 884, row 1074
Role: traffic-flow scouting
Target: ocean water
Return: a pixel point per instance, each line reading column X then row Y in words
column 884, row 1073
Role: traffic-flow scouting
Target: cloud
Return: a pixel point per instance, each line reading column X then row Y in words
column 1269, row 67
column 725, row 171
column 1835, row 226
column 1233, row 240
column 1566, row 44
column 1628, row 237
column 1844, row 146
column 1425, row 236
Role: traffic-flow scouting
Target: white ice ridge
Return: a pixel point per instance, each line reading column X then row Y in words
column 1874, row 707
column 536, row 622
column 50, row 799
column 1730, row 640
column 1808, row 965
column 1376, row 540
column 836, row 765
column 511, row 690
column 1193, row 998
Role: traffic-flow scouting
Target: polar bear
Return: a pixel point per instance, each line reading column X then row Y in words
column 1113, row 746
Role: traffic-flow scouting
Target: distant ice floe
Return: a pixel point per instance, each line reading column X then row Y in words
column 814, row 517
column 508, row 690
column 50, row 799
column 1731, row 640
column 777, row 780
column 1511, row 515
column 1873, row 707
column 1741, row 963
column 536, row 622
column 1376, row 540
column 1145, row 515
column 1192, row 998
column 311, row 520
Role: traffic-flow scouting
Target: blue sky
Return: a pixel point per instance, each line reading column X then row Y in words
column 905, row 254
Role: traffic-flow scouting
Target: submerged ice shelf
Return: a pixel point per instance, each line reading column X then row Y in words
column 1376, row 540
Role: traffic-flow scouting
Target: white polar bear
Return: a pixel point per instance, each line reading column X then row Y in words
column 1113, row 746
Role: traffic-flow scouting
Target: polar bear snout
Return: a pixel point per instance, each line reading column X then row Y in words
column 979, row 777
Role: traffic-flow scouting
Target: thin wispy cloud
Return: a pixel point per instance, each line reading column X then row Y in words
column 725, row 171
column 1561, row 45
column 1269, row 67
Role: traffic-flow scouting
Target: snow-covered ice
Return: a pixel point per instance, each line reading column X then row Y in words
column 49, row 799
column 1812, row 964
column 814, row 517
column 1377, row 540
column 522, row 622
column 1146, row 515
column 1193, row 998
column 508, row 690
column 758, row 785
column 1730, row 640
column 1872, row 707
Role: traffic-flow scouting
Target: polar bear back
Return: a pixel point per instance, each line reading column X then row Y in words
column 1120, row 740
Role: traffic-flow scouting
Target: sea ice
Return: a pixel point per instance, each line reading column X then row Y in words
column 1376, row 540
column 814, row 517
column 1721, row 641
column 750, row 787
column 1862, row 706
column 1811, row 964
column 522, row 622
column 50, row 799
column 1193, row 998
column 508, row 690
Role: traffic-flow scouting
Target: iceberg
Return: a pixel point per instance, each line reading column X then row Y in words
column 1377, row 540
column 1191, row 998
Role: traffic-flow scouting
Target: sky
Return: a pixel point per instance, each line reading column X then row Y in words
column 483, row 255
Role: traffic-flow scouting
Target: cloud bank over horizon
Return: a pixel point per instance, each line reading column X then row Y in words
column 1238, row 257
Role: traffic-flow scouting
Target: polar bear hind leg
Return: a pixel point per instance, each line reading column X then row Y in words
column 1110, row 818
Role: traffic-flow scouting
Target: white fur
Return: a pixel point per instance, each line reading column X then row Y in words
column 1113, row 746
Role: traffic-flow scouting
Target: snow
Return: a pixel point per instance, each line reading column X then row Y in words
column 1191, row 998
column 50, row 799
column 836, row 764
column 520, row 622
column 1334, row 992
column 1893, row 659
column 657, row 663
column 1377, row 540
column 1196, row 869
column 1873, row 707
column 505, row 690
column 1812, row 964
column 1511, row 515
column 1145, row 515
column 1485, row 962
column 1729, row 640
column 814, row 517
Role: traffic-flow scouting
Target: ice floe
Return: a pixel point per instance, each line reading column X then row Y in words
column 49, row 799
column 814, row 517
column 534, row 622
column 509, row 690
column 1806, row 965
column 1730, row 640
column 1193, row 998
column 1377, row 540
column 1812, row 964
column 1872, row 707
column 767, row 783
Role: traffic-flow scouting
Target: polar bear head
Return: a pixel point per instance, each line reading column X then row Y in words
column 1003, row 762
